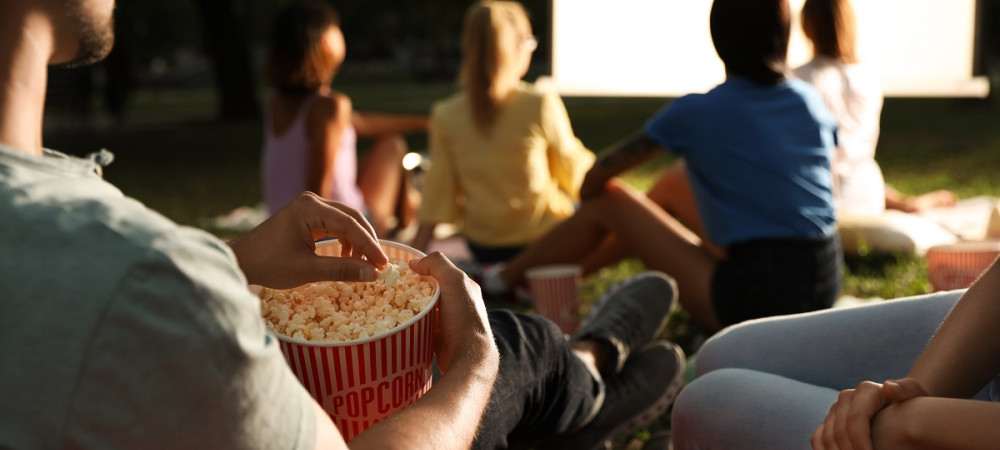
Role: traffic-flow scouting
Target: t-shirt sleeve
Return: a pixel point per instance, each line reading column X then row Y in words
column 568, row 159
column 672, row 126
column 441, row 190
column 181, row 359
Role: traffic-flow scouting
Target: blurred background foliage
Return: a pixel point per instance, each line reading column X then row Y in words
column 220, row 43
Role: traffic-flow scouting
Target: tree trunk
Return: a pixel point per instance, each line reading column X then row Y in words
column 226, row 43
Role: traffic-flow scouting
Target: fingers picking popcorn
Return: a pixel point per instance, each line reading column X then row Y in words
column 345, row 311
column 389, row 274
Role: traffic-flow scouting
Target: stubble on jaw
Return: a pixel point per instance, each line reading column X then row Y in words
column 96, row 35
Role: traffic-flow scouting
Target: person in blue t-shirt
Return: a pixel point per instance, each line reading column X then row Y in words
column 756, row 150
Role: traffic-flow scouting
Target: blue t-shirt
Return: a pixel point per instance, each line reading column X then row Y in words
column 758, row 158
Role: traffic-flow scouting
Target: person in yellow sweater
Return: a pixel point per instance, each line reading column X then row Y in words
column 504, row 160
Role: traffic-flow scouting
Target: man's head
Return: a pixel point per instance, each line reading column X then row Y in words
column 84, row 30
column 751, row 37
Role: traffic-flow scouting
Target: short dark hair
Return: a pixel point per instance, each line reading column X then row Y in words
column 751, row 38
column 296, row 60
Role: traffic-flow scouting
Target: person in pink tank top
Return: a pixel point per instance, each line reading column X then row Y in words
column 311, row 131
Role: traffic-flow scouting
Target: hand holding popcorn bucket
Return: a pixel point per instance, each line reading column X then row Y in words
column 368, row 356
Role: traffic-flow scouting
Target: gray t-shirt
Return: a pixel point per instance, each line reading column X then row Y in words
column 121, row 329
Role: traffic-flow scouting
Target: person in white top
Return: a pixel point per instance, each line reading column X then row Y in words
column 853, row 93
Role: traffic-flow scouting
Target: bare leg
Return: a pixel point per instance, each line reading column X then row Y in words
column 381, row 179
column 672, row 192
column 642, row 227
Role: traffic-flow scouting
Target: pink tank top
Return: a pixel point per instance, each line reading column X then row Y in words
column 285, row 164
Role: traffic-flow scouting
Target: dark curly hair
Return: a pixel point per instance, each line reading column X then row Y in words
column 296, row 60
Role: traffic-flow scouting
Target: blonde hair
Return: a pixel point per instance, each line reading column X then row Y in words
column 491, row 39
column 831, row 28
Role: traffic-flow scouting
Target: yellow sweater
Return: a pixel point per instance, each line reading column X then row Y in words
column 512, row 186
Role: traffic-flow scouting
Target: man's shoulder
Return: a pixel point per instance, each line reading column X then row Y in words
column 97, row 233
column 88, row 265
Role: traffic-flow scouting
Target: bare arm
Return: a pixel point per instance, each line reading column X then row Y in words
column 370, row 124
column 937, row 423
column 964, row 354
column 619, row 158
column 961, row 358
column 327, row 120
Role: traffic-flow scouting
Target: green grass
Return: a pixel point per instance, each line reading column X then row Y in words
column 177, row 161
column 171, row 156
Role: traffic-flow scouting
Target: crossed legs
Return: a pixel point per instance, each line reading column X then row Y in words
column 672, row 192
column 642, row 227
column 769, row 383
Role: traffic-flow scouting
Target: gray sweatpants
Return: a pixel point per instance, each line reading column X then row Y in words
column 768, row 383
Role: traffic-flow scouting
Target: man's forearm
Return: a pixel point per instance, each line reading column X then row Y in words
column 448, row 416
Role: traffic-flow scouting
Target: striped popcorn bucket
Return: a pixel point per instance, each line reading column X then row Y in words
column 555, row 291
column 957, row 266
column 364, row 381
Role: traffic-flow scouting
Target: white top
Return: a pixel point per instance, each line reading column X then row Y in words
column 853, row 93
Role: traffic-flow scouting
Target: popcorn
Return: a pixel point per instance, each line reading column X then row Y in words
column 345, row 311
column 390, row 274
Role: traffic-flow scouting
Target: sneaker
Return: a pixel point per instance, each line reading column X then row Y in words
column 643, row 391
column 629, row 315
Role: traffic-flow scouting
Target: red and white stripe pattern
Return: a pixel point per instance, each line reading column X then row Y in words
column 364, row 382
column 555, row 292
column 361, row 384
column 957, row 266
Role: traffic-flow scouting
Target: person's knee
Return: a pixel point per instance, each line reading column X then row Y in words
column 702, row 404
column 616, row 195
column 723, row 349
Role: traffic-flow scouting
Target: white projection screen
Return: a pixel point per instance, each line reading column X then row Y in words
column 921, row 48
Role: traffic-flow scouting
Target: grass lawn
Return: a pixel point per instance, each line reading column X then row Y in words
column 173, row 158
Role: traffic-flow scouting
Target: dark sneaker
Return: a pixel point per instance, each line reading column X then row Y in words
column 629, row 315
column 643, row 391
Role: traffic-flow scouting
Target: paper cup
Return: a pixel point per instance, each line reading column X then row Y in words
column 555, row 291
column 363, row 381
column 957, row 266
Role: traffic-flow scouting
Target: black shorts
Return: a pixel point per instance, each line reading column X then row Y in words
column 491, row 255
column 770, row 277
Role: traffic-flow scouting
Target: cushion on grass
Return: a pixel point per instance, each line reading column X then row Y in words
column 891, row 232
